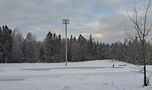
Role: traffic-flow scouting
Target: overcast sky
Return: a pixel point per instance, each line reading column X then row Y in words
column 104, row 19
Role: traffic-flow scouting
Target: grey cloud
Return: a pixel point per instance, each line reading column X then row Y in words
column 39, row 11
column 86, row 17
column 108, row 29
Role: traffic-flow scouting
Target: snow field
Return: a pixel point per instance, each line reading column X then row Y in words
column 90, row 75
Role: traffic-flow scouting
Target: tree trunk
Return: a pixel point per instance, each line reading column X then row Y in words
column 144, row 60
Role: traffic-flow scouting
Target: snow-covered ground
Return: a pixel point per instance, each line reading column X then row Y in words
column 91, row 75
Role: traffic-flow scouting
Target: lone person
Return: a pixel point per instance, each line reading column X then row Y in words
column 113, row 66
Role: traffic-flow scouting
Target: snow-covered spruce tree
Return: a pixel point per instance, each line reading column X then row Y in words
column 30, row 49
column 17, row 47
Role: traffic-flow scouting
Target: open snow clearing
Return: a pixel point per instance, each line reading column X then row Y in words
column 89, row 75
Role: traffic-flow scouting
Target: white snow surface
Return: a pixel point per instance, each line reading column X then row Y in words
column 90, row 75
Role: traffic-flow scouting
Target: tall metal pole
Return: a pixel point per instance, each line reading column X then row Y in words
column 66, row 21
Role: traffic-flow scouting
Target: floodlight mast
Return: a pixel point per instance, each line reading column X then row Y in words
column 65, row 22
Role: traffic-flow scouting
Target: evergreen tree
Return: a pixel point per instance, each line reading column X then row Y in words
column 17, row 47
column 90, row 48
column 82, row 48
column 1, row 52
column 48, row 47
column 30, row 49
column 6, row 44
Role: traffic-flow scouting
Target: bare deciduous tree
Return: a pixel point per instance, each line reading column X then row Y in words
column 142, row 26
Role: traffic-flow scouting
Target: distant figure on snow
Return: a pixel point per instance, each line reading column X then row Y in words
column 113, row 66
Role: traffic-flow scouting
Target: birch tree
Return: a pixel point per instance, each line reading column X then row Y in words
column 142, row 28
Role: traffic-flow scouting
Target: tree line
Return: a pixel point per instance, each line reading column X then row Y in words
column 16, row 49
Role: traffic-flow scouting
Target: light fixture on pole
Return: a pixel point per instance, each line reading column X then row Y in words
column 65, row 22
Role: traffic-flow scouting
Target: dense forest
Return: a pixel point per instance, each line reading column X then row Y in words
column 16, row 49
